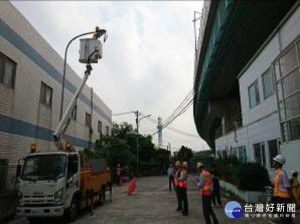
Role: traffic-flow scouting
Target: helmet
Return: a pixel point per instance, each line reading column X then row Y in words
column 185, row 164
column 280, row 159
column 199, row 164
column 177, row 163
column 294, row 173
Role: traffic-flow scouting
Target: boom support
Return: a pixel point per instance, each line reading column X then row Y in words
column 63, row 124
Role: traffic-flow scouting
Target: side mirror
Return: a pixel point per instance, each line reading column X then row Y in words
column 19, row 168
column 71, row 180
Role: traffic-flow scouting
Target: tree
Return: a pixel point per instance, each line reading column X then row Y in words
column 121, row 148
column 185, row 154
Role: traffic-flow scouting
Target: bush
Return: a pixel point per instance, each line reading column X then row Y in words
column 252, row 177
column 246, row 176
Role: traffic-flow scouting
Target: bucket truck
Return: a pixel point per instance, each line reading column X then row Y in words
column 62, row 182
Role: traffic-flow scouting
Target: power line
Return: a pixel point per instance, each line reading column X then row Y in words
column 182, row 111
column 173, row 129
column 181, row 105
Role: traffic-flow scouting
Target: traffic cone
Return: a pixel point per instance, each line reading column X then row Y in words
column 131, row 186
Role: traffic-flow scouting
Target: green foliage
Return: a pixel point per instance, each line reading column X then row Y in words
column 246, row 176
column 252, row 177
column 121, row 148
column 185, row 154
column 204, row 157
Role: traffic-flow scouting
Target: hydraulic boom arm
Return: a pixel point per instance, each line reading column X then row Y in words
column 58, row 134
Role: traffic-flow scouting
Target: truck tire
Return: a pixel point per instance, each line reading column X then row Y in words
column 103, row 193
column 73, row 210
column 110, row 191
column 33, row 220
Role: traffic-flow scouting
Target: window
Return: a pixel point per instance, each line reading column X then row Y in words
column 88, row 121
column 242, row 155
column 273, row 150
column 253, row 94
column 287, row 75
column 46, row 95
column 224, row 154
column 260, row 154
column 288, row 61
column 100, row 127
column 107, row 130
column 74, row 112
column 72, row 165
column 7, row 71
column 291, row 83
column 3, row 174
column 294, row 127
column 268, row 85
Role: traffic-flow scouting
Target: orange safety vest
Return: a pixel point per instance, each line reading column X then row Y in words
column 279, row 191
column 177, row 173
column 184, row 183
column 206, row 190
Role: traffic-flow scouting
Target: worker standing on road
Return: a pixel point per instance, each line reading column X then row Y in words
column 118, row 173
column 282, row 188
column 183, row 183
column 215, row 194
column 205, row 185
column 295, row 188
column 176, row 183
column 171, row 177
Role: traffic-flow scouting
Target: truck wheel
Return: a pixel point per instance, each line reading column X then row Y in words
column 103, row 193
column 33, row 220
column 110, row 191
column 72, row 211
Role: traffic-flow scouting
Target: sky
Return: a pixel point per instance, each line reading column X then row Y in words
column 148, row 58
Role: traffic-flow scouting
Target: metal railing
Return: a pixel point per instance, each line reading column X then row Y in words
column 8, row 180
column 232, row 124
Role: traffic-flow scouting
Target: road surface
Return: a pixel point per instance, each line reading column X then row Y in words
column 150, row 203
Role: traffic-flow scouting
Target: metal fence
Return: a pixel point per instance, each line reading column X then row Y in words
column 231, row 125
column 8, row 189
column 8, row 180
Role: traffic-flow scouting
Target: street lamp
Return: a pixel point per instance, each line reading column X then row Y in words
column 137, row 113
column 97, row 33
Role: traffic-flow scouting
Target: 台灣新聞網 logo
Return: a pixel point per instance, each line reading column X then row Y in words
column 233, row 210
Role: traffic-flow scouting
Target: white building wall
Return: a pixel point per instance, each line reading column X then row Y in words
column 261, row 123
column 23, row 102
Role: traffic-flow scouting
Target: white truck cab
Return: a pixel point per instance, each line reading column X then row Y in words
column 49, row 182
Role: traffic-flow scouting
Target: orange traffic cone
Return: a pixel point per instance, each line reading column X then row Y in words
column 131, row 186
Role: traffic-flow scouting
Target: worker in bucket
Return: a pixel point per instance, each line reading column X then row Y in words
column 282, row 188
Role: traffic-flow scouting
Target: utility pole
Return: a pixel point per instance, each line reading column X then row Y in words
column 195, row 31
column 137, row 120
column 159, row 130
column 137, row 113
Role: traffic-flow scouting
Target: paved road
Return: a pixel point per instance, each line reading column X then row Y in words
column 150, row 203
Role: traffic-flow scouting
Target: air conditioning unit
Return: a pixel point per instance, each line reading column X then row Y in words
column 87, row 47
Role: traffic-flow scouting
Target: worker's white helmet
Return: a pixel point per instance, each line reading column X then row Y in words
column 294, row 172
column 280, row 159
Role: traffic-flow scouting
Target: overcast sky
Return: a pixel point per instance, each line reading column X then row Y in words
column 148, row 59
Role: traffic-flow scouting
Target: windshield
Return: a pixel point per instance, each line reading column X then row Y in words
column 44, row 167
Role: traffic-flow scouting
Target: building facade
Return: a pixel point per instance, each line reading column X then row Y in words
column 252, row 108
column 30, row 92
